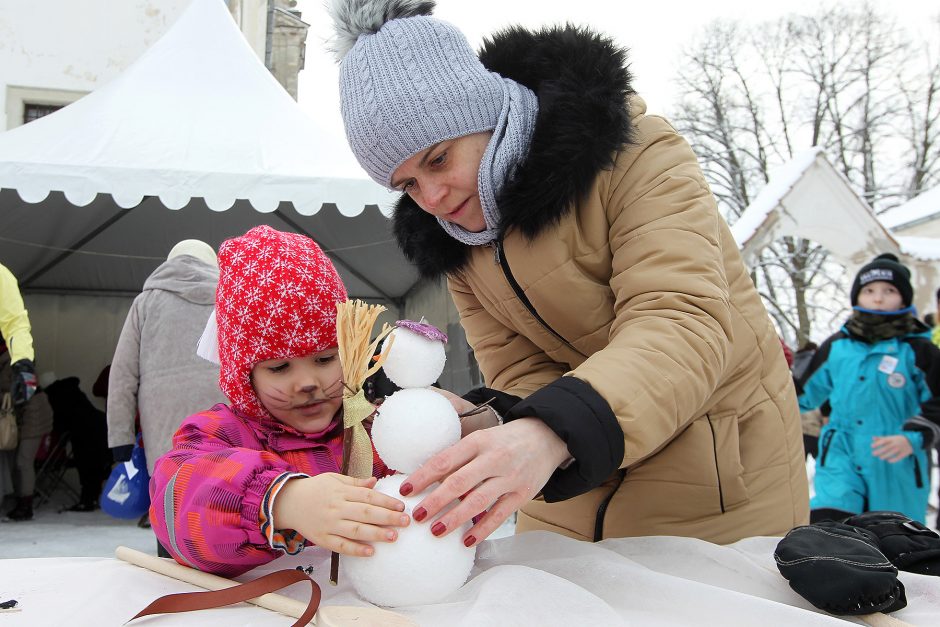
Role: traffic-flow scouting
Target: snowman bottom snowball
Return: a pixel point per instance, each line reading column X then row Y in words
column 418, row 568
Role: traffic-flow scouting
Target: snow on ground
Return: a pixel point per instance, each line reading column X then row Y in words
column 95, row 534
column 70, row 534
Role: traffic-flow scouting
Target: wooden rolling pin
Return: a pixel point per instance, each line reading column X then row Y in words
column 883, row 620
column 327, row 616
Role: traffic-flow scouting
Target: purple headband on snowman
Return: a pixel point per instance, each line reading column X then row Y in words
column 424, row 329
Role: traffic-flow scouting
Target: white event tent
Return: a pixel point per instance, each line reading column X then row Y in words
column 196, row 139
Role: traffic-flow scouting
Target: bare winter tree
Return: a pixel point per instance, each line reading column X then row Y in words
column 846, row 79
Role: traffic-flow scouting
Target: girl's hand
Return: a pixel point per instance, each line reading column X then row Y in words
column 891, row 448
column 496, row 469
column 339, row 513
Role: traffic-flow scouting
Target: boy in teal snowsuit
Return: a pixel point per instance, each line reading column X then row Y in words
column 881, row 375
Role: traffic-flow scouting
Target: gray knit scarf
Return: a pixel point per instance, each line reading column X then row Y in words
column 508, row 147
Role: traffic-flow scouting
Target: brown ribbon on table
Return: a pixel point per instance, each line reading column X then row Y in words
column 190, row 601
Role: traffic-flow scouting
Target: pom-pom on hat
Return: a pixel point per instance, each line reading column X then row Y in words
column 276, row 299
column 407, row 81
column 888, row 268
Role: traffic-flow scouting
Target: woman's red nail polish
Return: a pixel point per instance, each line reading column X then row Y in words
column 419, row 514
column 438, row 528
column 469, row 541
column 405, row 489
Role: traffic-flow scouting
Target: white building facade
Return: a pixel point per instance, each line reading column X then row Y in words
column 54, row 52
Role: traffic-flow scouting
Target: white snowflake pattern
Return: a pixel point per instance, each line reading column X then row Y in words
column 236, row 258
column 266, row 276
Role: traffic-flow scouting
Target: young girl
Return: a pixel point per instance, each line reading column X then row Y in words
column 248, row 481
column 881, row 375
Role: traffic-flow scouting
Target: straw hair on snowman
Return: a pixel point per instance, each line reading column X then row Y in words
column 410, row 427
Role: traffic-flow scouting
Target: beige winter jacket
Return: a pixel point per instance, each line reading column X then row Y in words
column 625, row 319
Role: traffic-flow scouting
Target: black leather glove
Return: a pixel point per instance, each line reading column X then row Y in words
column 839, row 569
column 24, row 382
column 907, row 543
column 122, row 453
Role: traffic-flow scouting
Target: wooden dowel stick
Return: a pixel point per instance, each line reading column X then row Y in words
column 883, row 620
column 328, row 616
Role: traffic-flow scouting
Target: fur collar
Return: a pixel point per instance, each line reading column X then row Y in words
column 582, row 84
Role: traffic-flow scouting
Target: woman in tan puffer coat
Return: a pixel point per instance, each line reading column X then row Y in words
column 642, row 383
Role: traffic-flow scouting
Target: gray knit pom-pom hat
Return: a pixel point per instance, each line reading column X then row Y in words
column 407, row 81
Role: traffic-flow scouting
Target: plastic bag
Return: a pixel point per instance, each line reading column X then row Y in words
column 126, row 493
column 9, row 436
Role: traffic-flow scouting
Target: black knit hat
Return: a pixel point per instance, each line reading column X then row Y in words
column 888, row 268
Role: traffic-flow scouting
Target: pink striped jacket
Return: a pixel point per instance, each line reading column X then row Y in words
column 208, row 493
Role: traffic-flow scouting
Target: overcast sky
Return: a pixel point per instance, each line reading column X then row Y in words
column 655, row 32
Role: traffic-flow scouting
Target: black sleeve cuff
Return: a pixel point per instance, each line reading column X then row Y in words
column 122, row 453
column 503, row 403
column 927, row 428
column 584, row 420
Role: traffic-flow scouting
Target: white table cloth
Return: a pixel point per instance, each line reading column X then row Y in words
column 531, row 579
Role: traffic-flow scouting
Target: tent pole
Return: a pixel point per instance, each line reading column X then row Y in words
column 293, row 224
column 70, row 250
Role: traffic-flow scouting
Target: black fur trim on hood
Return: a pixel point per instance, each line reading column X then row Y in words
column 582, row 83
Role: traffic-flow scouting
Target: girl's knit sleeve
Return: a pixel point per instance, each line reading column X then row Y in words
column 207, row 495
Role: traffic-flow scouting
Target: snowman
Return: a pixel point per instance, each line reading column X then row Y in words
column 411, row 426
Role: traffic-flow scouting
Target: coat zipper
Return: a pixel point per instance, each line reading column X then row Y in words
column 602, row 509
column 917, row 478
column 500, row 259
column 721, row 494
column 824, row 448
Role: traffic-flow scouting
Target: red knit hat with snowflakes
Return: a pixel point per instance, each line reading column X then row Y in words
column 276, row 299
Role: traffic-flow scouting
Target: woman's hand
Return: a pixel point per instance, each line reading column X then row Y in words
column 891, row 448
column 339, row 513
column 497, row 469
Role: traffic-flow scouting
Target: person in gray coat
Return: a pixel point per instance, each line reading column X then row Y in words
column 155, row 369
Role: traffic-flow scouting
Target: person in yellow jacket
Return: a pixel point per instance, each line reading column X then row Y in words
column 935, row 334
column 17, row 335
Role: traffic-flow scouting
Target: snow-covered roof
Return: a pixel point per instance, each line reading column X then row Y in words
column 923, row 248
column 924, row 205
column 782, row 180
column 807, row 197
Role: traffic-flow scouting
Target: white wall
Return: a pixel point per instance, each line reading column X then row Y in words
column 252, row 18
column 67, row 48
column 925, row 228
column 75, row 335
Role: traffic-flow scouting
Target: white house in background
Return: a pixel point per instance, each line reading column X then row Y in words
column 918, row 217
column 54, row 52
column 807, row 197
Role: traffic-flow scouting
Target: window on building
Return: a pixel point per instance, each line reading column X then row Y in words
column 35, row 111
